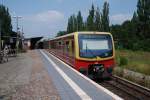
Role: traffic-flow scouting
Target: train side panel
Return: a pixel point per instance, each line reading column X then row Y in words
column 64, row 49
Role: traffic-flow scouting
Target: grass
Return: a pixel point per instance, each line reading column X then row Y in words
column 137, row 60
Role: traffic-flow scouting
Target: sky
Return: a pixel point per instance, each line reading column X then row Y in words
column 47, row 17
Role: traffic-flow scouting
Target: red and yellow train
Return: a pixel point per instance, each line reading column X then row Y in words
column 91, row 53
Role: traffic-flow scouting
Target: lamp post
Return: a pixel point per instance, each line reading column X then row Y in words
column 17, row 30
column 22, row 38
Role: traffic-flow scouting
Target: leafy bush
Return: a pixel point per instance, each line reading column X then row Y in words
column 123, row 61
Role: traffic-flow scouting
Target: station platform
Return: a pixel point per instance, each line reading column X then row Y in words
column 72, row 85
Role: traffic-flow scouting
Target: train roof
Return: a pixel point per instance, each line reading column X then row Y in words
column 85, row 32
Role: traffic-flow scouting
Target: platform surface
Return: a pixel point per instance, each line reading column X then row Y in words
column 38, row 75
column 25, row 78
column 72, row 85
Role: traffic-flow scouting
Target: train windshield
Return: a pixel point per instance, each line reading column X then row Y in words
column 95, row 45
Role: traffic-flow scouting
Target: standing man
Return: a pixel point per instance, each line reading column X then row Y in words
column 6, row 53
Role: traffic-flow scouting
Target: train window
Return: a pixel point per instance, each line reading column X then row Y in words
column 67, row 42
column 59, row 43
column 66, row 47
column 97, row 45
column 52, row 45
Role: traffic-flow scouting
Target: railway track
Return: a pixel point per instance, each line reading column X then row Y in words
column 126, row 89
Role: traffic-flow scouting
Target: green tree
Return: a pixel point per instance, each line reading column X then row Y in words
column 79, row 22
column 72, row 24
column 75, row 23
column 5, row 19
column 143, row 12
column 98, row 20
column 90, row 20
column 105, row 17
column 134, row 34
column 134, row 18
column 134, row 21
column 60, row 33
column 116, row 31
column 134, row 26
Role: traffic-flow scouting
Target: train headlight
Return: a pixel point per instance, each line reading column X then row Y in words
column 98, row 68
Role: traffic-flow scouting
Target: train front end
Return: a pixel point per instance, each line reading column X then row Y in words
column 95, row 54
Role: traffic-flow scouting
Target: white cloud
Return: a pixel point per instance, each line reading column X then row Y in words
column 44, row 23
column 119, row 18
column 50, row 16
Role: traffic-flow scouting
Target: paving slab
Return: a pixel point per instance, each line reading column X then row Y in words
column 25, row 78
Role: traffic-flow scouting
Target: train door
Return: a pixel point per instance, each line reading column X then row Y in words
column 70, row 47
column 67, row 47
column 73, row 49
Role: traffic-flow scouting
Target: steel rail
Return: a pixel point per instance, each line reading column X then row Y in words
column 127, row 89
